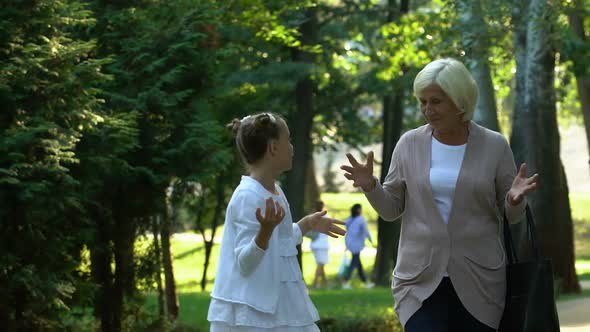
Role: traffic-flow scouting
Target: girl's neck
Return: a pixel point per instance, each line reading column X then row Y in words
column 266, row 177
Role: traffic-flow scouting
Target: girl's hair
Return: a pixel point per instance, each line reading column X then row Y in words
column 454, row 79
column 253, row 134
column 355, row 210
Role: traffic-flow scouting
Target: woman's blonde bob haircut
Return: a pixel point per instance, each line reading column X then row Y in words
column 454, row 79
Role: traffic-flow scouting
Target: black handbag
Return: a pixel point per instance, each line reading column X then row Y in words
column 530, row 301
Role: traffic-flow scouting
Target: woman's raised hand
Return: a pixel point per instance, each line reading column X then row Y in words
column 521, row 186
column 361, row 175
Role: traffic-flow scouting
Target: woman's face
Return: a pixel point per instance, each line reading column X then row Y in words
column 439, row 109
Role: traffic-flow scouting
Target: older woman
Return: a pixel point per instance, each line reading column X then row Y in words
column 452, row 180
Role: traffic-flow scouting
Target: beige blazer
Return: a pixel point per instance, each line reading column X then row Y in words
column 469, row 248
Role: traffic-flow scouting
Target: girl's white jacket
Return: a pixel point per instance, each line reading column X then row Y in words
column 247, row 274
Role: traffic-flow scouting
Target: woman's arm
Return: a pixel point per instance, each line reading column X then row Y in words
column 389, row 199
column 512, row 187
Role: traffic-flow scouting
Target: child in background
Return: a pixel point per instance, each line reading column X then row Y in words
column 259, row 285
column 320, row 246
column 357, row 231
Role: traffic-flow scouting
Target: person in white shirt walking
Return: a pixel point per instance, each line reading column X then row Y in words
column 320, row 246
column 259, row 285
column 357, row 231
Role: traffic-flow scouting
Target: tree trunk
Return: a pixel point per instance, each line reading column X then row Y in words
column 161, row 301
column 388, row 232
column 220, row 197
column 171, row 295
column 102, row 274
column 301, row 123
column 476, row 42
column 518, row 132
column 312, row 191
column 550, row 202
column 124, row 285
column 580, row 71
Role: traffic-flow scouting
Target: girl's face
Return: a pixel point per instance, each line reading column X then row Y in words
column 284, row 148
column 439, row 109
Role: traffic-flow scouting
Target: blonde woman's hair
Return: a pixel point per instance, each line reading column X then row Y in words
column 454, row 79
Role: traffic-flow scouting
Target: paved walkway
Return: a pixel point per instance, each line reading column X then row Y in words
column 574, row 315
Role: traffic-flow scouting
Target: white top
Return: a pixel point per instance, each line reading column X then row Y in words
column 357, row 231
column 322, row 241
column 445, row 165
column 255, row 288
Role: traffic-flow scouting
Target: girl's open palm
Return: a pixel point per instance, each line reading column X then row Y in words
column 273, row 215
column 522, row 185
column 360, row 174
column 320, row 223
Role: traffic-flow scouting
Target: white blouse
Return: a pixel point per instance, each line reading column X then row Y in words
column 444, row 171
column 293, row 309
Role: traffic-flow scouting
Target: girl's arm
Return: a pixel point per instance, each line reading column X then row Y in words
column 319, row 222
column 252, row 236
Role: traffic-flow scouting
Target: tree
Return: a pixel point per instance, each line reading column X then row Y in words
column 49, row 87
column 539, row 120
column 388, row 232
column 330, row 185
column 580, row 51
column 301, row 120
column 476, row 42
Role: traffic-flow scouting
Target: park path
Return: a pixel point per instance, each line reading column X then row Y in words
column 574, row 315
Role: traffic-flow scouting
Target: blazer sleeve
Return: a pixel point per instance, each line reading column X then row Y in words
column 389, row 199
column 248, row 254
column 505, row 173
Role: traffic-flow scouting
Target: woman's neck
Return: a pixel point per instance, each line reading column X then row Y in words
column 455, row 136
column 266, row 177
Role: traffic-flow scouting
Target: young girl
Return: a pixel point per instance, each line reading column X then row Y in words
column 259, row 285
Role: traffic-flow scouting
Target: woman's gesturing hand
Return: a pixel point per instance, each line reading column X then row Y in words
column 522, row 185
column 361, row 175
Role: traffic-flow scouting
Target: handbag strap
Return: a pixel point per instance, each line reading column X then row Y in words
column 531, row 235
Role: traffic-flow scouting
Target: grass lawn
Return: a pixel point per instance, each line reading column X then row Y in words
column 333, row 302
column 580, row 204
column 330, row 303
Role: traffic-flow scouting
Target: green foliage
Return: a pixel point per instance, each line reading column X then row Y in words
column 48, row 89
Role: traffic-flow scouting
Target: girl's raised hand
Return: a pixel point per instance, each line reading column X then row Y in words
column 360, row 174
column 319, row 222
column 273, row 215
